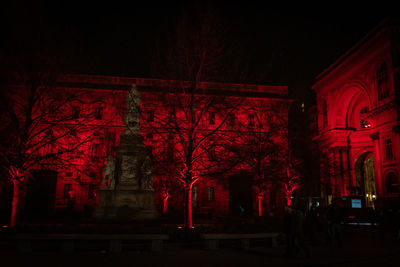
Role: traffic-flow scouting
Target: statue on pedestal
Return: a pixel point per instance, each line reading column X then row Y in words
column 132, row 116
column 127, row 188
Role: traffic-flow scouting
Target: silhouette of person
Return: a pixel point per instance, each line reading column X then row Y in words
column 334, row 218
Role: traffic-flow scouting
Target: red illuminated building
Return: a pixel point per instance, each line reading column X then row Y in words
column 358, row 120
column 250, row 162
column 75, row 185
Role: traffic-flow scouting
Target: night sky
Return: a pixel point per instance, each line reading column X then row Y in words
column 285, row 44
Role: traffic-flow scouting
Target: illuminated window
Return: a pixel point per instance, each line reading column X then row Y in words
column 382, row 82
column 363, row 122
column 388, row 149
column 211, row 193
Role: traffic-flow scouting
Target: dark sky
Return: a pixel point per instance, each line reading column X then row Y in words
column 296, row 41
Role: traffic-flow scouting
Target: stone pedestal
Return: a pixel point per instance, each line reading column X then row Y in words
column 133, row 195
column 127, row 190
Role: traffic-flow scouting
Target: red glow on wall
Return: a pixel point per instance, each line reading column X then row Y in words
column 99, row 125
column 355, row 97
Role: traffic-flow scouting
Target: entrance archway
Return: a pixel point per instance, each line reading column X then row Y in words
column 365, row 178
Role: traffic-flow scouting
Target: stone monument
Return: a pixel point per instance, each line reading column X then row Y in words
column 127, row 188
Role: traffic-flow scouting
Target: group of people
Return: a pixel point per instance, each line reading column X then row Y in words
column 319, row 226
column 301, row 225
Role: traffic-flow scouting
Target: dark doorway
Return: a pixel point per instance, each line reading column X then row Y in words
column 40, row 195
column 240, row 195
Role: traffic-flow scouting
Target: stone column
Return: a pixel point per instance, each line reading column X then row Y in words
column 378, row 166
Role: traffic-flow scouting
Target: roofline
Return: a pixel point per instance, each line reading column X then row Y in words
column 122, row 82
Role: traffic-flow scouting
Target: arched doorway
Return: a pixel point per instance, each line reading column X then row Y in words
column 365, row 178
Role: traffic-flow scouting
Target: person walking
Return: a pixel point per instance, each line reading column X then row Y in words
column 334, row 218
column 295, row 243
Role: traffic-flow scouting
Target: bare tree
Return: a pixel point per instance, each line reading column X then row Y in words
column 260, row 144
column 43, row 123
column 192, row 113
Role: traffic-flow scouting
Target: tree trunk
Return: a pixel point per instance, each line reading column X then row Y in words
column 259, row 202
column 165, row 205
column 18, row 189
column 289, row 199
column 188, row 214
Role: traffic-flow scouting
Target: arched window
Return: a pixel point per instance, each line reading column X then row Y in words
column 382, row 81
column 392, row 183
column 364, row 123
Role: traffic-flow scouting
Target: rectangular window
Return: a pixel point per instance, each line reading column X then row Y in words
column 170, row 116
column 67, row 191
column 251, row 120
column 388, row 149
column 382, row 82
column 211, row 154
column 150, row 117
column 97, row 113
column 76, row 112
column 169, row 152
column 149, row 136
column 96, row 151
column 211, row 193
column 231, row 120
column 211, row 118
column 47, row 150
column 92, row 191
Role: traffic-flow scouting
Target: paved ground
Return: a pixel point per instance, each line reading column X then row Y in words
column 360, row 248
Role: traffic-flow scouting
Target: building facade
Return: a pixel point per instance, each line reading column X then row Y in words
column 258, row 112
column 358, row 120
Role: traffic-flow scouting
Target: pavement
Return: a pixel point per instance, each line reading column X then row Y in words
column 361, row 247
